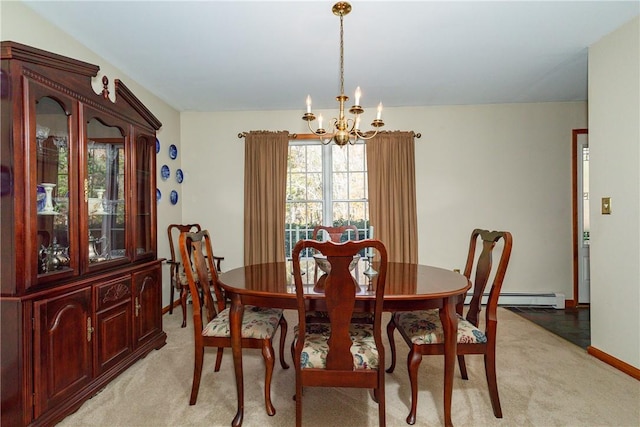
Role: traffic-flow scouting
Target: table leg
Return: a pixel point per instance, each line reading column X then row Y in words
column 450, row 325
column 235, row 326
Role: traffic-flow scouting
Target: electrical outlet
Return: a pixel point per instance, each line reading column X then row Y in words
column 606, row 206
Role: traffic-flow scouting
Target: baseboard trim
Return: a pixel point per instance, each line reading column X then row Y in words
column 615, row 362
column 165, row 309
column 553, row 299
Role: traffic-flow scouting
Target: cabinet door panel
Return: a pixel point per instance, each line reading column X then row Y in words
column 114, row 335
column 114, row 322
column 147, row 305
column 63, row 341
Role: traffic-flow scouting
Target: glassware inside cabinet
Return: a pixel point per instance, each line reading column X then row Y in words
column 52, row 186
column 105, row 192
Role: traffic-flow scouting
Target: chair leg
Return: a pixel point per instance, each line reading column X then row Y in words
column 374, row 394
column 183, row 303
column 413, row 363
column 293, row 349
column 382, row 412
column 219, row 353
column 197, row 373
column 283, row 337
column 171, row 293
column 269, row 362
column 463, row 367
column 298, row 398
column 492, row 381
column 391, row 327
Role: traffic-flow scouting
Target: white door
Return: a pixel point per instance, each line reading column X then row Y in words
column 583, row 218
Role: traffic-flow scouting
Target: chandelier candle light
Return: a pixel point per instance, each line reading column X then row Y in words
column 344, row 130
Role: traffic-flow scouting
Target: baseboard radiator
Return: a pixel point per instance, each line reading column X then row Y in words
column 555, row 300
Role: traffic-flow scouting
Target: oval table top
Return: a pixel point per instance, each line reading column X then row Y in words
column 405, row 282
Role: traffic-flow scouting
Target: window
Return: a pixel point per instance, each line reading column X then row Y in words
column 326, row 185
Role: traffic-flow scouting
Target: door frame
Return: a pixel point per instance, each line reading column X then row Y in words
column 575, row 211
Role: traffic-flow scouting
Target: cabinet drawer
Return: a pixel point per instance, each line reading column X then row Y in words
column 112, row 293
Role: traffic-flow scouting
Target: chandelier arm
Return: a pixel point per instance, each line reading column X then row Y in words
column 366, row 135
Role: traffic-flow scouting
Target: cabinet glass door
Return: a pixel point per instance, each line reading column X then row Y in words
column 52, row 187
column 105, row 194
column 144, row 199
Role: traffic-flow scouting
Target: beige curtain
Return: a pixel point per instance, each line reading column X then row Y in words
column 392, row 194
column 265, row 179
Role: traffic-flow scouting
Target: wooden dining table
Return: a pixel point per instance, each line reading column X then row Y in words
column 408, row 287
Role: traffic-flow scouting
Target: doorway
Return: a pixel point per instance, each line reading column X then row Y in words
column 581, row 214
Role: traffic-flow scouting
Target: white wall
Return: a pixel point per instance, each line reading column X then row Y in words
column 614, row 148
column 491, row 166
column 20, row 24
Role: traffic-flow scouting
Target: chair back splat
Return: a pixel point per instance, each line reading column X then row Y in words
column 484, row 264
column 336, row 233
column 339, row 352
column 202, row 276
column 422, row 330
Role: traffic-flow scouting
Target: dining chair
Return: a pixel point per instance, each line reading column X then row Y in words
column 422, row 330
column 178, row 279
column 340, row 352
column 259, row 324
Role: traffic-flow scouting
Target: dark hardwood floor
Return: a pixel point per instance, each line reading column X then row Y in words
column 572, row 324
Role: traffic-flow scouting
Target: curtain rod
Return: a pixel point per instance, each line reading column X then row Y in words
column 244, row 134
column 305, row 136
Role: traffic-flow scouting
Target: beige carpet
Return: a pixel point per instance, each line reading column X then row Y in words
column 543, row 381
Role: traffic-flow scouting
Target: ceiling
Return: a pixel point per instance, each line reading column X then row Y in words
column 268, row 55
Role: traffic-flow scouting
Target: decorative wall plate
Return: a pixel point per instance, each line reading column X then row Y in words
column 174, row 197
column 173, row 151
column 179, row 176
column 158, row 195
column 165, row 172
column 157, row 145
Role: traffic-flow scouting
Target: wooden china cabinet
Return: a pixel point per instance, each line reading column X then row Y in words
column 80, row 279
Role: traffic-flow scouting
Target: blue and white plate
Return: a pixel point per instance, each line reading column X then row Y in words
column 173, row 151
column 158, row 195
column 174, row 197
column 157, row 145
column 179, row 176
column 165, row 172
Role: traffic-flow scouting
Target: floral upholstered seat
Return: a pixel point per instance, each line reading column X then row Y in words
column 316, row 347
column 182, row 277
column 257, row 322
column 425, row 327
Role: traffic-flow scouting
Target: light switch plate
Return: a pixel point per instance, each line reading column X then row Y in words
column 606, row 206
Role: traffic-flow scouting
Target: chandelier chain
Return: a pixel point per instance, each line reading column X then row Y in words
column 341, row 56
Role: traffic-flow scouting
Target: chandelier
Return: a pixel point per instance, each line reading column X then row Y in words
column 343, row 130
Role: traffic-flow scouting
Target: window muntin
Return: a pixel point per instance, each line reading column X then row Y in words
column 326, row 185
